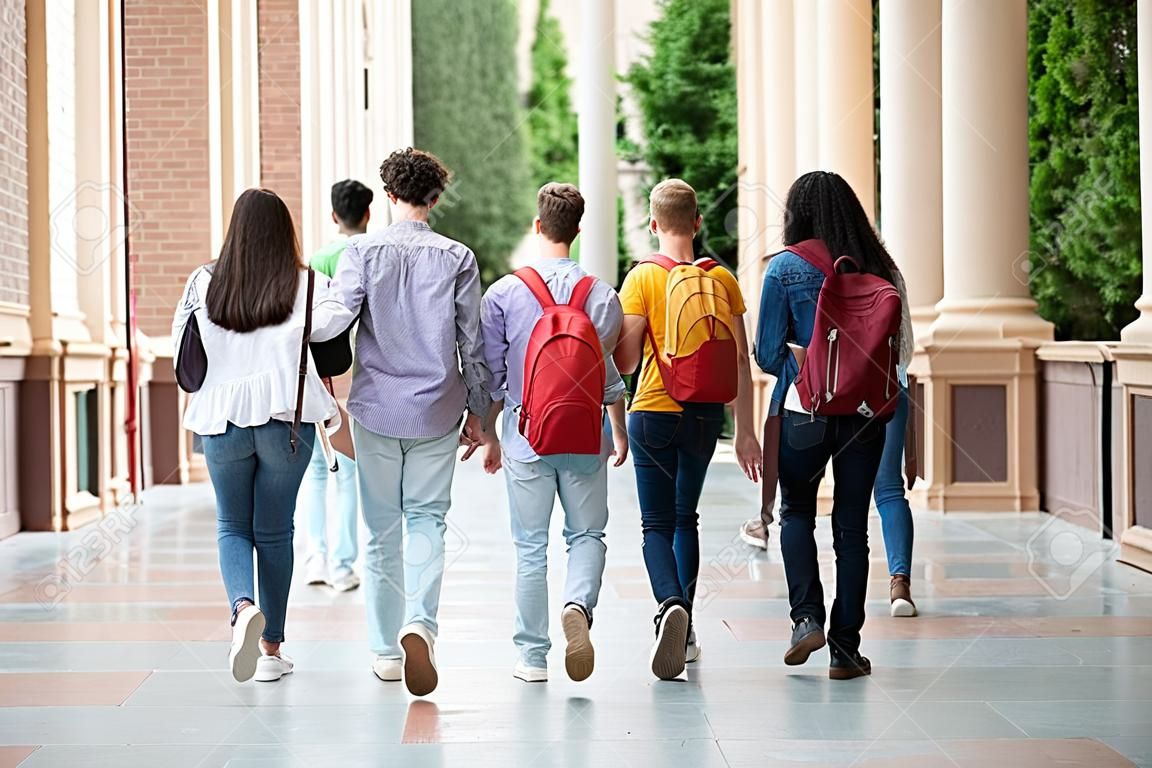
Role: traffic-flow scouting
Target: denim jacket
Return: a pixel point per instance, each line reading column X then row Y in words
column 788, row 314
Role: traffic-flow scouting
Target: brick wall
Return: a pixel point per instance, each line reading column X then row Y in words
column 279, row 35
column 13, row 154
column 167, row 89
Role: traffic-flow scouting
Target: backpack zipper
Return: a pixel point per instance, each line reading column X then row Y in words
column 832, row 378
column 888, row 370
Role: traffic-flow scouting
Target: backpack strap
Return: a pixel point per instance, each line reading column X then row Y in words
column 536, row 284
column 581, row 292
column 294, row 433
column 814, row 258
column 706, row 263
column 667, row 262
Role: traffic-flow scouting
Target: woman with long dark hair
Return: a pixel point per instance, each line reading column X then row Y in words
column 824, row 219
column 250, row 307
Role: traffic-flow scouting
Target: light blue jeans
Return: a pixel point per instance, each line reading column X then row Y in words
column 256, row 478
column 532, row 491
column 895, row 514
column 314, row 499
column 405, row 493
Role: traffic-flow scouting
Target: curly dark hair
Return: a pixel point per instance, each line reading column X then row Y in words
column 350, row 201
column 822, row 206
column 414, row 176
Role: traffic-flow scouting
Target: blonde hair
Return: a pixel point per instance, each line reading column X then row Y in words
column 673, row 205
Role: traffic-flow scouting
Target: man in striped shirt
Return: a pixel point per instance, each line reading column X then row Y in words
column 419, row 365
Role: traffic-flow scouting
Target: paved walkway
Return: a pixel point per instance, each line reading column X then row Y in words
column 1034, row 649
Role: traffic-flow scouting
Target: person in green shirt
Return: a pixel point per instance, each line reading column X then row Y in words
column 350, row 211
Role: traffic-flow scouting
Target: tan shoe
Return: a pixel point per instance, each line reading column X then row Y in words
column 900, row 590
column 754, row 533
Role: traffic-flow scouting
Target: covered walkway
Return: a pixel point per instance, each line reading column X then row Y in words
column 1032, row 650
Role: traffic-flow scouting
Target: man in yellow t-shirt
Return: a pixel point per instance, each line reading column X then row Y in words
column 672, row 443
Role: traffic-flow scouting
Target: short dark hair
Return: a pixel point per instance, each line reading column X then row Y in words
column 560, row 208
column 350, row 201
column 414, row 176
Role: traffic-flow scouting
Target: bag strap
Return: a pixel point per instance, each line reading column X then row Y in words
column 706, row 263
column 812, row 257
column 294, row 438
column 581, row 292
column 667, row 262
column 531, row 278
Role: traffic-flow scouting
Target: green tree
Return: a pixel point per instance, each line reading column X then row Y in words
column 467, row 111
column 686, row 90
column 1085, row 261
column 551, row 119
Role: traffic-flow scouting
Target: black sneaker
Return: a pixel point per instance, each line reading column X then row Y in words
column 667, row 657
column 846, row 666
column 807, row 637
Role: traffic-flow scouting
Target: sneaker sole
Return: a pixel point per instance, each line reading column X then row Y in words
column 809, row 644
column 579, row 656
column 317, row 583
column 271, row 678
column 848, row 673
column 529, row 679
column 346, row 587
column 419, row 672
column 244, row 662
column 668, row 653
column 752, row 541
column 902, row 608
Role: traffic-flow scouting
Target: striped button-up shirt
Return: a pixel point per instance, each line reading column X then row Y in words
column 419, row 353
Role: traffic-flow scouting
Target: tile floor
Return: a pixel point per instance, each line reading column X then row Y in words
column 1034, row 649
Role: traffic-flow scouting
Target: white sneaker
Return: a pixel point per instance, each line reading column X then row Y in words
column 667, row 657
column 754, row 533
column 245, row 650
column 271, row 668
column 388, row 670
column 345, row 581
column 530, row 674
column 419, row 658
column 316, row 570
column 692, row 652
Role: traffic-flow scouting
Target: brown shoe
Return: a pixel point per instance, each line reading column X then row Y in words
column 900, row 590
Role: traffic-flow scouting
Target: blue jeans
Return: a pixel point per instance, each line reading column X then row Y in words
column 532, row 491
column 671, row 453
column 314, row 498
column 895, row 514
column 853, row 444
column 256, row 478
column 404, row 484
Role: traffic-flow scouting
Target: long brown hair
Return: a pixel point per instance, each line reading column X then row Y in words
column 255, row 280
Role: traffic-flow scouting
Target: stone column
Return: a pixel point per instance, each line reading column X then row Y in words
column 806, row 42
column 911, row 211
column 980, row 392
column 1140, row 331
column 596, row 103
column 845, row 94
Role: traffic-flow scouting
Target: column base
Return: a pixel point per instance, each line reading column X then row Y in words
column 1132, row 517
column 1136, row 548
column 1139, row 331
column 978, row 320
column 980, row 418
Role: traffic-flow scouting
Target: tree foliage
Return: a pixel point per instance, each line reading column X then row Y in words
column 552, row 124
column 686, row 90
column 467, row 111
column 1085, row 260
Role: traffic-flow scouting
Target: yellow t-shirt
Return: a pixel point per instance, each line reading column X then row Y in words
column 643, row 294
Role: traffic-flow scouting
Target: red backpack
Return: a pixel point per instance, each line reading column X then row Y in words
column 699, row 343
column 562, row 407
column 850, row 365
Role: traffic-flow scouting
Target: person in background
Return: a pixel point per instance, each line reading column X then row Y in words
column 350, row 211
column 419, row 366
column 509, row 315
column 822, row 217
column 673, row 442
column 250, row 308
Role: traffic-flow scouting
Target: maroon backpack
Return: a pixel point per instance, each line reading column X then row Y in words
column 850, row 365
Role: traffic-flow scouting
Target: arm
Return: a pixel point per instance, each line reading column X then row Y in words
column 630, row 347
column 470, row 345
column 492, row 456
column 338, row 304
column 616, row 415
column 494, row 333
column 748, row 451
column 188, row 303
column 771, row 348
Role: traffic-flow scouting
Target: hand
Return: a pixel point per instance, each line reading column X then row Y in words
column 492, row 458
column 619, row 446
column 471, row 437
column 749, row 456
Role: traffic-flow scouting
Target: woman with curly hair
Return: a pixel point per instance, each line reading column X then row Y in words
column 419, row 367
